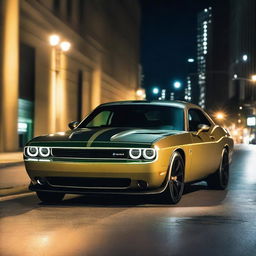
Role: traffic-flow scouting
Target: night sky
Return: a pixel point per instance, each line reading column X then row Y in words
column 168, row 38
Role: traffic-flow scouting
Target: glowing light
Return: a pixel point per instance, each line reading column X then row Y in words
column 65, row 46
column 251, row 121
column 22, row 127
column 177, row 84
column 61, row 133
column 191, row 60
column 54, row 40
column 220, row 116
column 235, row 76
column 155, row 90
column 139, row 92
column 253, row 78
column 245, row 57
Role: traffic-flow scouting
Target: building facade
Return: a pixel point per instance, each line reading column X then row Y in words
column 43, row 87
column 243, row 52
column 213, row 56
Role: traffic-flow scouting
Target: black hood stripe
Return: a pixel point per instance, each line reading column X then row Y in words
column 106, row 136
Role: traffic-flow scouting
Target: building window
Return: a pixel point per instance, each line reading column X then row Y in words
column 56, row 6
column 69, row 9
column 81, row 11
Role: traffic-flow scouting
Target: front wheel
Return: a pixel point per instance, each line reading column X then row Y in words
column 219, row 180
column 50, row 197
column 175, row 186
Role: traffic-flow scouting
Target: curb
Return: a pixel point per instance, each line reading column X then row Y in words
column 14, row 190
column 4, row 165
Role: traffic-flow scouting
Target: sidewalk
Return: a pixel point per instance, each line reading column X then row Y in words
column 13, row 176
column 10, row 159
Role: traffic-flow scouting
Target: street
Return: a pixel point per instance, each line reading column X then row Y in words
column 205, row 222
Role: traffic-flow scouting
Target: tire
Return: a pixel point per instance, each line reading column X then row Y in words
column 50, row 197
column 219, row 179
column 175, row 188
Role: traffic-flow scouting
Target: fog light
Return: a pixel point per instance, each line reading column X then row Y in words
column 142, row 184
column 135, row 153
column 41, row 181
column 32, row 151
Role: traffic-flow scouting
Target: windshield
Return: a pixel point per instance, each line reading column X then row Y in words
column 136, row 116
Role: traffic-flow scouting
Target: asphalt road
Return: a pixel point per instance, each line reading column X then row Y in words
column 205, row 222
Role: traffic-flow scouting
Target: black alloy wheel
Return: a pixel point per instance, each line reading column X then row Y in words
column 219, row 180
column 175, row 186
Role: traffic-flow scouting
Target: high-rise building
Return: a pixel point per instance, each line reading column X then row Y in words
column 213, row 56
column 204, row 22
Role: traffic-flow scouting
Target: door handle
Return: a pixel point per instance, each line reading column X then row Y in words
column 212, row 137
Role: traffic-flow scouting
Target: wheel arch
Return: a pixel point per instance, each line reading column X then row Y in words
column 182, row 153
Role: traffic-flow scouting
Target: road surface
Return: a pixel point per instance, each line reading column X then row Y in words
column 205, row 222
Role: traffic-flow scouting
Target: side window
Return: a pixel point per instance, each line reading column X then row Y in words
column 196, row 117
column 101, row 119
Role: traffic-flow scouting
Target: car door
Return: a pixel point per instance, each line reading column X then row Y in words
column 204, row 150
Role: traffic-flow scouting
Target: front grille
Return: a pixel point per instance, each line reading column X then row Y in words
column 89, row 182
column 90, row 153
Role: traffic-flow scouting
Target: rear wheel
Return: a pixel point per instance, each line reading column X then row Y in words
column 175, row 186
column 50, row 197
column 219, row 180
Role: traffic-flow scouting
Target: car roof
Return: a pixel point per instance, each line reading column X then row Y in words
column 173, row 103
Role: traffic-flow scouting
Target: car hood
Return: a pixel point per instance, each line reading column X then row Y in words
column 104, row 137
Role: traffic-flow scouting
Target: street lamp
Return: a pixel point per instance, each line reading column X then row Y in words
column 220, row 115
column 54, row 40
column 155, row 90
column 245, row 57
column 65, row 46
column 191, row 60
column 177, row 84
column 140, row 93
column 253, row 77
column 58, row 48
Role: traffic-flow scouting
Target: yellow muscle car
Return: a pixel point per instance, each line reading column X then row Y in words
column 131, row 147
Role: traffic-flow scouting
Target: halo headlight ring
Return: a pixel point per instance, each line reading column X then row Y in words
column 32, row 151
column 149, row 153
column 44, row 151
column 135, row 153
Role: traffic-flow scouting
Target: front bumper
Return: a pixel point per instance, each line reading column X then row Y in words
column 152, row 173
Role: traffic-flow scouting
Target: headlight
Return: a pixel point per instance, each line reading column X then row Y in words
column 43, row 151
column 32, row 151
column 135, row 153
column 149, row 153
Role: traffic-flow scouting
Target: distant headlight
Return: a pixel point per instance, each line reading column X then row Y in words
column 149, row 153
column 32, row 151
column 135, row 153
column 44, row 152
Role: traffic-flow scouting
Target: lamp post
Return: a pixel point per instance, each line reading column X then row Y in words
column 58, row 48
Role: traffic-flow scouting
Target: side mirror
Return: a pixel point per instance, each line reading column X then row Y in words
column 73, row 125
column 202, row 128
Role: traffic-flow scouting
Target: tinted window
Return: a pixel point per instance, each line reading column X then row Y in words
column 137, row 116
column 196, row 117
